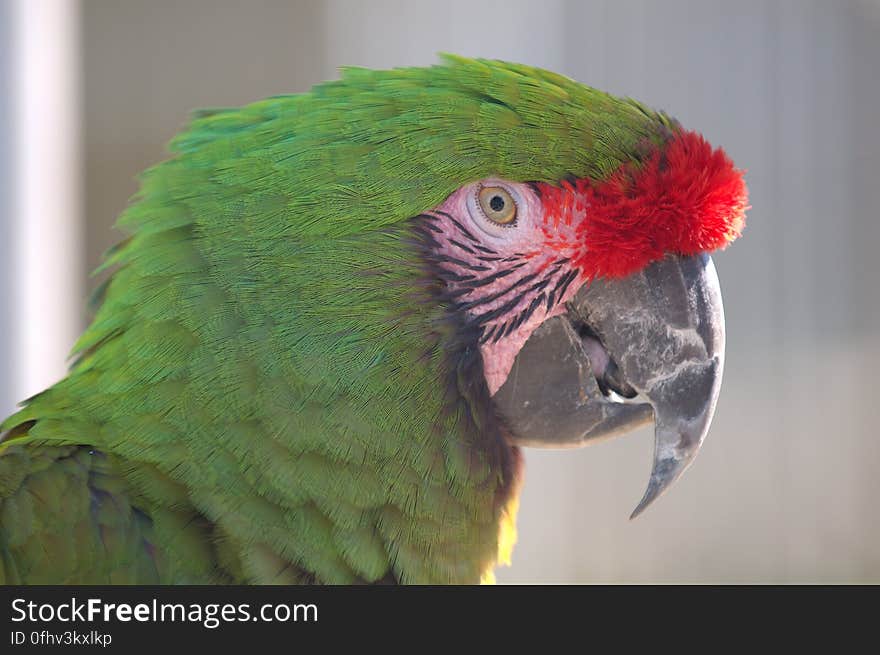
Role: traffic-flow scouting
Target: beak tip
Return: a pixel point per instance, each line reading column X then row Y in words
column 639, row 509
column 654, row 490
column 666, row 471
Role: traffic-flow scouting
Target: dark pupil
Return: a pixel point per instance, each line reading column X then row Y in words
column 497, row 203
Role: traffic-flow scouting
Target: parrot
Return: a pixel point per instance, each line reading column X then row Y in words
column 337, row 318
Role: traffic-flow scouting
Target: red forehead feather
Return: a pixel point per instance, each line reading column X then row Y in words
column 686, row 198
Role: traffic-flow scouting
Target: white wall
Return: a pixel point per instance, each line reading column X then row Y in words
column 389, row 33
column 42, row 285
column 7, row 400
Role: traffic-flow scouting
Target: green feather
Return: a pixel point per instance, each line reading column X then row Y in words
column 269, row 390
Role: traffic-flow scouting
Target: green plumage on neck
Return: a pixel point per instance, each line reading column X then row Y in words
column 270, row 391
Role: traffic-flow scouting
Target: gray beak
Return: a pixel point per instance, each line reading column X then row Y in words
column 649, row 347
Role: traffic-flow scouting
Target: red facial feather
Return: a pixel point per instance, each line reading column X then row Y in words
column 686, row 198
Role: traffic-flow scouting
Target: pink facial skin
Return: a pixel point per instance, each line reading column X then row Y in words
column 508, row 279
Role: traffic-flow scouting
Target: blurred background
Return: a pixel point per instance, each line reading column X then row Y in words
column 787, row 486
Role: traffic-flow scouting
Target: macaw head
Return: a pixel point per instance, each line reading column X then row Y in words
column 592, row 299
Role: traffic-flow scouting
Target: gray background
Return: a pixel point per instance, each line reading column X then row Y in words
column 786, row 487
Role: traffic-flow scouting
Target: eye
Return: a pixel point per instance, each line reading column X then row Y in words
column 497, row 205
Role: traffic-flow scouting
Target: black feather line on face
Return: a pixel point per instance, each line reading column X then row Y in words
column 441, row 258
column 499, row 333
column 492, row 314
column 461, row 228
column 461, row 246
column 563, row 284
column 425, row 239
column 496, row 296
column 520, row 318
column 527, row 314
column 489, row 279
column 487, row 333
column 541, row 284
column 551, row 298
column 511, row 326
column 428, row 222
